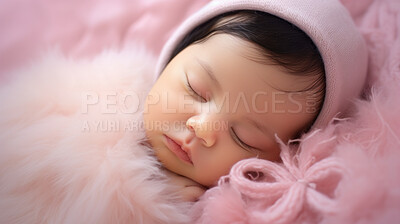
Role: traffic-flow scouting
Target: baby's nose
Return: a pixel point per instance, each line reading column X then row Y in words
column 203, row 129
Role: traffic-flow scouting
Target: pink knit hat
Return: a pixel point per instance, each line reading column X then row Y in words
column 326, row 22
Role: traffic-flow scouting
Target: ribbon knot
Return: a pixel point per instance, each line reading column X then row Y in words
column 307, row 184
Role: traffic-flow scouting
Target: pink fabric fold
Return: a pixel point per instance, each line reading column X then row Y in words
column 85, row 28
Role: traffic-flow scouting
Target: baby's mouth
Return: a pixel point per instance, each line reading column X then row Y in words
column 173, row 146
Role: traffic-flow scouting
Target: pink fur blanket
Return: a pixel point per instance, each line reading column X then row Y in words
column 52, row 171
column 70, row 143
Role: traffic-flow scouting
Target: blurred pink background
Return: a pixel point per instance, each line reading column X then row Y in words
column 82, row 28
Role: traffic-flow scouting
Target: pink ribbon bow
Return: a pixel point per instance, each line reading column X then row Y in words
column 277, row 193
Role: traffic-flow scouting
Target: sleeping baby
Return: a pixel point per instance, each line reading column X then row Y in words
column 102, row 142
column 239, row 74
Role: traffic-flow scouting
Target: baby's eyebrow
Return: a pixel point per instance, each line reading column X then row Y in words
column 208, row 70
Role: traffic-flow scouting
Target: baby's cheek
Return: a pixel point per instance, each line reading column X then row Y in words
column 217, row 162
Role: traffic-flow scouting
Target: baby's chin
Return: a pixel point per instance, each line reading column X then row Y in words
column 205, row 180
column 202, row 179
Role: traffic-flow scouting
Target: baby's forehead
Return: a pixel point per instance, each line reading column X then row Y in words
column 240, row 61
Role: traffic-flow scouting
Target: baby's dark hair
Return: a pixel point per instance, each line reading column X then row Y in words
column 279, row 41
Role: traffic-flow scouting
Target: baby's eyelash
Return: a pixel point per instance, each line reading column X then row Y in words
column 240, row 142
column 193, row 92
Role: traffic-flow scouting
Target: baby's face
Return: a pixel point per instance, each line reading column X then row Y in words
column 214, row 105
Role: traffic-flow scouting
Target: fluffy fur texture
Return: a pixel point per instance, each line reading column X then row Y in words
column 347, row 172
column 70, row 147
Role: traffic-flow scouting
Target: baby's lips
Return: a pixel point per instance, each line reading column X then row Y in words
column 184, row 148
column 188, row 151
